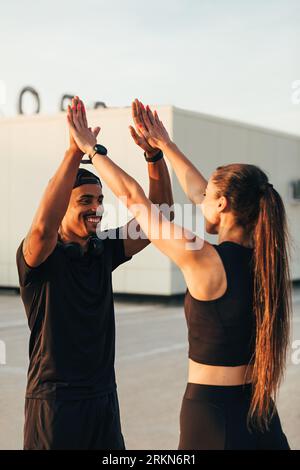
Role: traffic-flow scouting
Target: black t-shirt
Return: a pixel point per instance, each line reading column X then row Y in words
column 70, row 311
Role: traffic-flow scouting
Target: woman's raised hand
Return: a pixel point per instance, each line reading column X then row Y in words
column 136, row 108
column 151, row 128
column 84, row 136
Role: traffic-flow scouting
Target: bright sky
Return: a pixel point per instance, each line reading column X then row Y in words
column 230, row 58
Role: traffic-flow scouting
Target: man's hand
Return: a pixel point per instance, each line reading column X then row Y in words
column 73, row 147
column 137, row 107
column 152, row 129
column 85, row 137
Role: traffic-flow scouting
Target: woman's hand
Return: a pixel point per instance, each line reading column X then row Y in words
column 85, row 137
column 152, row 128
column 137, row 108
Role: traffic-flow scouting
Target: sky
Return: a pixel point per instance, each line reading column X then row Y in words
column 236, row 59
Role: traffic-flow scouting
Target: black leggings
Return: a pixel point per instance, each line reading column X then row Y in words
column 215, row 417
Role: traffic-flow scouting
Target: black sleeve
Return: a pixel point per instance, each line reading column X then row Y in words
column 29, row 275
column 115, row 248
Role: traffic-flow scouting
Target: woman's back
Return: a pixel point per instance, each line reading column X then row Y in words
column 221, row 331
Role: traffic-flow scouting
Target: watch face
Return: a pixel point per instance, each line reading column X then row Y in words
column 100, row 149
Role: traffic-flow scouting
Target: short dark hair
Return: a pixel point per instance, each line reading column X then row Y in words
column 86, row 177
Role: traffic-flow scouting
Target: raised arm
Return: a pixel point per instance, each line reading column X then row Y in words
column 191, row 180
column 176, row 242
column 42, row 236
column 160, row 189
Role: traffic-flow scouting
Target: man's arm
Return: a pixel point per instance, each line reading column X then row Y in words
column 42, row 236
column 160, row 192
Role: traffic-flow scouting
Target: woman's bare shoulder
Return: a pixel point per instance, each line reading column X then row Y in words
column 206, row 276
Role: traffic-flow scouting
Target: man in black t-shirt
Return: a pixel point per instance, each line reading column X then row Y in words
column 65, row 281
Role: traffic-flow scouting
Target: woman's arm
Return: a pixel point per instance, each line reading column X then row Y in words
column 160, row 188
column 176, row 242
column 191, row 180
column 160, row 191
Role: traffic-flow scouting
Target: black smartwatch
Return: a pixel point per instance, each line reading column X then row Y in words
column 154, row 159
column 100, row 149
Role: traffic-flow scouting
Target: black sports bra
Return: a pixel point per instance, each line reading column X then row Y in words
column 222, row 331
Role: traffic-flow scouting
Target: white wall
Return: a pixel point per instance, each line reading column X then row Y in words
column 32, row 148
column 210, row 142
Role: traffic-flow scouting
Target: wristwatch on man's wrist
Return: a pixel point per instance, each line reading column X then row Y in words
column 158, row 156
column 98, row 149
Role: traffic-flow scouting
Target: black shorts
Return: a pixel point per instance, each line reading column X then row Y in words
column 215, row 417
column 73, row 424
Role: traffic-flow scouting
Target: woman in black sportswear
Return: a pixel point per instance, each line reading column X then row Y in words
column 238, row 297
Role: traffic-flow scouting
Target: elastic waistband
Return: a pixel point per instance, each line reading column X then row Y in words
column 54, row 392
column 217, row 392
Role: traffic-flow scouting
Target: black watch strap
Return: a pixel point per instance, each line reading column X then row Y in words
column 98, row 149
column 154, row 159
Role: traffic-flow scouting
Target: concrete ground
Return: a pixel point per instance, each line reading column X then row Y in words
column 151, row 367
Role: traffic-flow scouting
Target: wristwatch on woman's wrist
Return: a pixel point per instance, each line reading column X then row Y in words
column 98, row 149
column 158, row 156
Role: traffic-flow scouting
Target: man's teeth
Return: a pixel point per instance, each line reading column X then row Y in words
column 93, row 219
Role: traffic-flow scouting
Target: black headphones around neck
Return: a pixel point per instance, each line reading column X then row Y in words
column 74, row 250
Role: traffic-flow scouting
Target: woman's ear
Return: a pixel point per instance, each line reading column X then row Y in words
column 223, row 204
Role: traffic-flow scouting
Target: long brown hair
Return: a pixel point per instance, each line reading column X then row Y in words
column 258, row 208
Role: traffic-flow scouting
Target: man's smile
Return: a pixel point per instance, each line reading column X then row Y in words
column 92, row 219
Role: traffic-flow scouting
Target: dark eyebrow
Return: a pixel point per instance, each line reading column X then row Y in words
column 83, row 196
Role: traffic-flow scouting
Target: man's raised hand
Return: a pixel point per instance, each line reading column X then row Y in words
column 84, row 136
